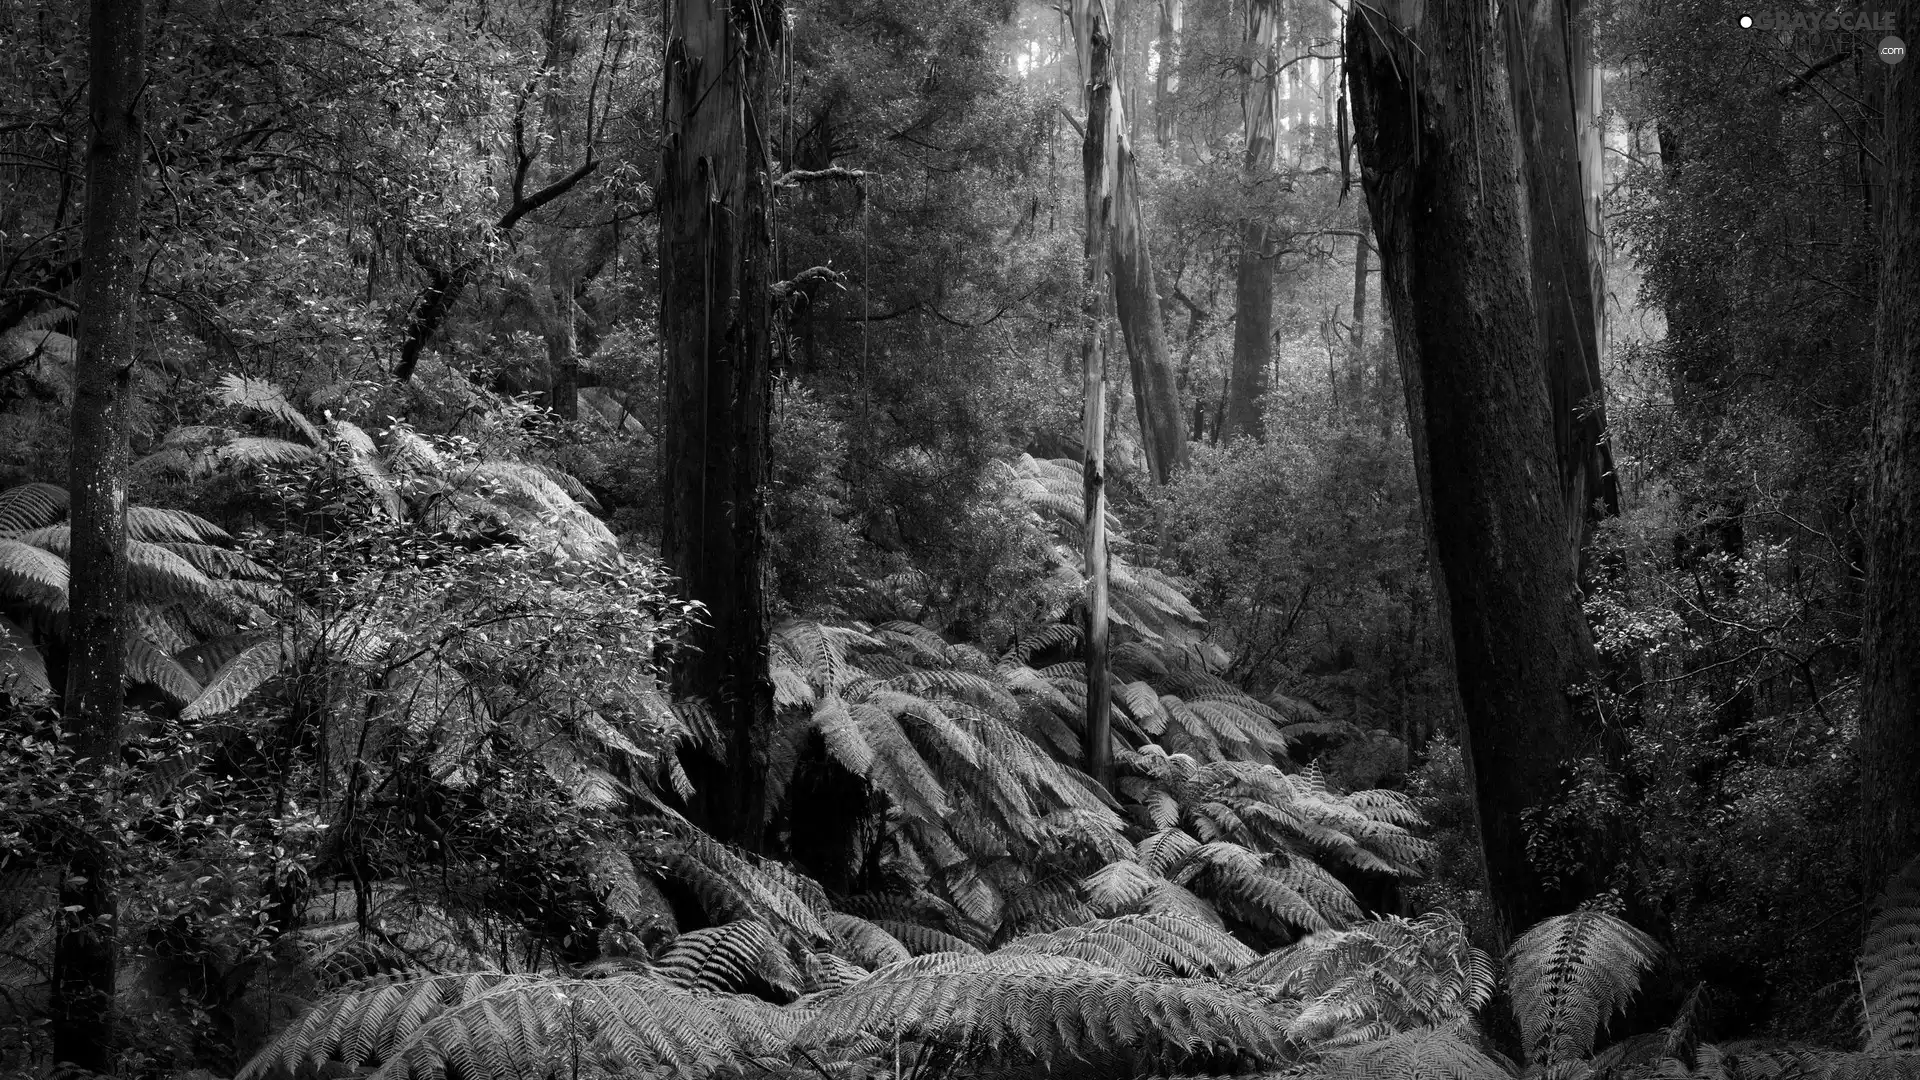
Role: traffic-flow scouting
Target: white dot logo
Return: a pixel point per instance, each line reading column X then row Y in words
column 1746, row 22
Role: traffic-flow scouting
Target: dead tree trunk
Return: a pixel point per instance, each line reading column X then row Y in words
column 1538, row 40
column 1890, row 634
column 86, row 948
column 1253, row 288
column 1437, row 160
column 715, row 317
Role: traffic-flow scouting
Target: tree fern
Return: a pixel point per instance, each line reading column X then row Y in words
column 485, row 1027
column 862, row 942
column 737, row 957
column 1568, row 974
column 240, row 676
column 31, row 506
column 1420, row 1054
column 1039, row 1014
column 1890, row 965
column 1156, row 944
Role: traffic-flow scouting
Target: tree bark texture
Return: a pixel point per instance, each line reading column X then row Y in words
column 1436, row 149
column 85, row 938
column 1253, row 288
column 1539, row 39
column 715, row 318
column 1099, row 163
column 1890, row 634
column 1155, row 394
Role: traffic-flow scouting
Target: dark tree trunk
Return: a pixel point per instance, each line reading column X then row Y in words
column 1890, row 634
column 1437, row 163
column 714, row 318
column 1253, row 288
column 1538, row 40
column 85, row 946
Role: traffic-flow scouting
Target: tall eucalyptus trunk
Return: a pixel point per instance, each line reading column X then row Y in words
column 86, row 943
column 1437, row 154
column 1260, row 105
column 1890, row 632
column 1099, row 164
column 1539, row 42
column 715, row 318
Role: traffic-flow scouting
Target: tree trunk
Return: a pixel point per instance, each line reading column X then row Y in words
column 714, row 317
column 1253, row 289
column 85, row 949
column 1156, row 397
column 1099, row 161
column 1437, row 163
column 1357, row 345
column 563, row 360
column 1538, row 39
column 1890, row 634
column 1166, row 77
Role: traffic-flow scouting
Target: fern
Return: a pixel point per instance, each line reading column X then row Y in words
column 1421, row 1054
column 31, row 506
column 1144, row 945
column 1890, row 965
column 240, row 676
column 261, row 396
column 1568, row 974
column 735, row 957
column 862, row 942
column 1038, row 1014
column 23, row 671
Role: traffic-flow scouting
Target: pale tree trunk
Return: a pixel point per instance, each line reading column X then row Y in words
column 1357, row 343
column 563, row 361
column 1166, row 79
column 1438, row 161
column 1099, row 160
column 86, row 948
column 1253, row 287
column 1890, row 632
column 1538, row 40
column 714, row 318
column 1156, row 397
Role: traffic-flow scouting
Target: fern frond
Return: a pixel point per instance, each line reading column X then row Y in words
column 146, row 663
column 827, row 971
column 33, row 574
column 235, row 679
column 368, row 1025
column 733, row 958
column 31, row 506
column 1045, row 1012
column 1890, row 965
column 728, row 885
column 862, row 942
column 1422, row 1054
column 1044, row 639
column 1568, row 974
column 1144, row 945
column 262, row 396
column 23, row 671
column 924, row 940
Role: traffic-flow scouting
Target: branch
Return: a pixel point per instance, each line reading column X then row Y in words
column 796, row 177
column 781, row 290
column 444, row 286
column 523, row 207
column 1078, row 128
column 1813, row 69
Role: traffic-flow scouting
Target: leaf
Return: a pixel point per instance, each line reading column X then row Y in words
column 22, row 668
column 262, row 396
column 31, row 506
column 146, row 663
column 34, row 575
